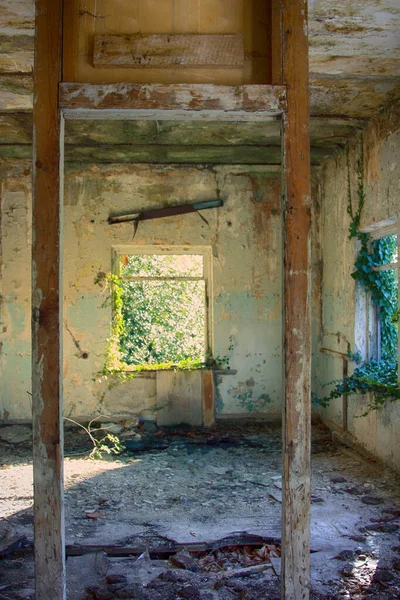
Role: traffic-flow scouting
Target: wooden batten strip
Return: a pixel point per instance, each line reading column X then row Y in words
column 164, row 51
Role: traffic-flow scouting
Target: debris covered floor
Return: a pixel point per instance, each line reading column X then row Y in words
column 182, row 487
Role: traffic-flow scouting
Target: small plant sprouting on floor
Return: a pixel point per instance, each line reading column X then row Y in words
column 108, row 444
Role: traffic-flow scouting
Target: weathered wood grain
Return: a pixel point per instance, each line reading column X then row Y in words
column 168, row 51
column 190, row 98
column 297, row 307
column 46, row 342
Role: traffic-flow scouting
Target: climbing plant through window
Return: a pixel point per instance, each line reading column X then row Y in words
column 377, row 272
column 161, row 309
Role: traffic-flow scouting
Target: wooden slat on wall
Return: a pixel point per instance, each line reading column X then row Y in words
column 297, row 287
column 168, row 51
column 46, row 343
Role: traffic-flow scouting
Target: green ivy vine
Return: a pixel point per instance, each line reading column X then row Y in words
column 378, row 378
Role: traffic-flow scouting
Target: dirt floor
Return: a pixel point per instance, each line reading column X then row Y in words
column 196, row 515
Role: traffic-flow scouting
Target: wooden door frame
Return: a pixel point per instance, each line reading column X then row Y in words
column 197, row 101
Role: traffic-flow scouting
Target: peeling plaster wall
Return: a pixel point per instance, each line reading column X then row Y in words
column 15, row 293
column 338, row 329
column 245, row 241
column 245, row 237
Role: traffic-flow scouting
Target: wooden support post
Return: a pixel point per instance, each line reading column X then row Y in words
column 297, row 330
column 46, row 336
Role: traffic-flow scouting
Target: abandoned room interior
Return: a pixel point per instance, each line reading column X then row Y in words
column 199, row 219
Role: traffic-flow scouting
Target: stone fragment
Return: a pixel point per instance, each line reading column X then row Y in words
column 354, row 491
column 116, row 578
column 383, row 575
column 149, row 427
column 165, row 589
column 189, row 592
column 184, row 560
column 383, row 527
column 338, row 479
column 347, row 570
column 114, row 428
column 345, row 555
column 317, row 499
column 133, row 590
column 96, row 592
column 361, row 539
column 15, row 434
column 174, row 576
column 396, row 564
column 371, row 500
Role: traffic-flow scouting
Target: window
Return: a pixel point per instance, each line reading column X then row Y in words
column 162, row 307
column 377, row 311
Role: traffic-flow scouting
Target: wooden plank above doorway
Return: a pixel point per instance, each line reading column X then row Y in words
column 166, row 51
column 265, row 100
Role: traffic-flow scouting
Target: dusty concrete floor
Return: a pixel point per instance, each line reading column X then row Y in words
column 187, row 487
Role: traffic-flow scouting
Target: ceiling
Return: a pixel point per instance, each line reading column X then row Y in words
column 354, row 62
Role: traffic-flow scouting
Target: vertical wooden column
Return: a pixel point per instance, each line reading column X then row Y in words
column 297, row 285
column 46, row 331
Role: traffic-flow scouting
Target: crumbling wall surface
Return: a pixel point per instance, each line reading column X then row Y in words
column 342, row 327
column 15, row 298
column 245, row 241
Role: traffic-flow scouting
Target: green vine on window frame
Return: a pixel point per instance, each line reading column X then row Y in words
column 379, row 378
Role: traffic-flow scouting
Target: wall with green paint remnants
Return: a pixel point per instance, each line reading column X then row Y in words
column 245, row 240
column 341, row 325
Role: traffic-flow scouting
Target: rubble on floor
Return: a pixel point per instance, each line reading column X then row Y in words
column 149, row 523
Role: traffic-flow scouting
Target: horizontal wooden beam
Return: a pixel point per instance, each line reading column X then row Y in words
column 234, row 101
column 164, row 154
column 166, row 51
column 330, row 97
column 16, row 128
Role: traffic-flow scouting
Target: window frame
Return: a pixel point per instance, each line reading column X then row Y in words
column 205, row 251
column 366, row 311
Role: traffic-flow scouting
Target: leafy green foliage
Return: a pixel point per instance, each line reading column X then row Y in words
column 383, row 286
column 379, row 378
column 107, row 444
column 158, row 313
